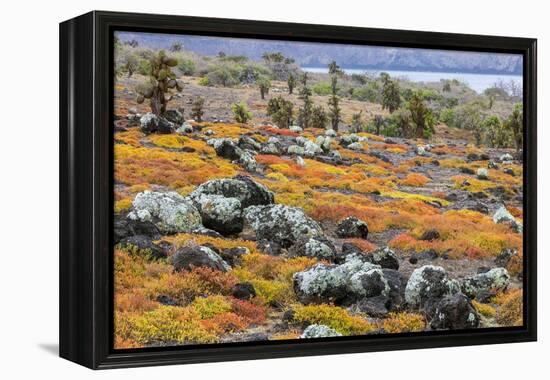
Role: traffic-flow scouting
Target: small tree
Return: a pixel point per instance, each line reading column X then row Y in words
column 304, row 114
column 264, row 84
column 447, row 86
column 334, row 69
column 176, row 46
column 197, row 109
column 334, row 104
column 378, row 123
column 357, row 122
column 391, row 99
column 291, row 82
column 241, row 113
column 421, row 116
column 496, row 135
column 280, row 111
column 131, row 64
column 319, row 118
column 162, row 81
column 514, row 123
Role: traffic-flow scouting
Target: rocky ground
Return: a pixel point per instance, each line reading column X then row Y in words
column 231, row 232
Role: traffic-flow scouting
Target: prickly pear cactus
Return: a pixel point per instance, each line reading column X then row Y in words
column 161, row 85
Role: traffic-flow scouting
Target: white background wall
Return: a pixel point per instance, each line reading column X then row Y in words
column 29, row 186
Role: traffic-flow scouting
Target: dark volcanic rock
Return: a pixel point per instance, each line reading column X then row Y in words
column 352, row 227
column 430, row 235
column 269, row 247
column 348, row 248
column 187, row 258
column 233, row 256
column 243, row 291
column 374, row 306
column 467, row 170
column 151, row 123
column 125, row 227
column 455, row 312
column 505, row 256
column 174, row 116
column 166, row 300
column 144, row 243
column 384, row 257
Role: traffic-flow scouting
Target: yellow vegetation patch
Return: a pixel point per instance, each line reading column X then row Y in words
column 403, row 323
column 415, row 179
column 334, row 317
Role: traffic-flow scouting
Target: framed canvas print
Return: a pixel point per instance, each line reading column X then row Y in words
column 238, row 189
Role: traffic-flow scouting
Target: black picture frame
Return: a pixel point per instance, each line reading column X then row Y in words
column 86, row 145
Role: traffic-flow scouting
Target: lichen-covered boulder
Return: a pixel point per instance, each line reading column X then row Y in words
column 482, row 173
column 319, row 331
column 426, row 284
column 506, row 157
column 455, row 312
column 355, row 146
column 352, row 227
column 295, row 149
column 227, row 148
column 311, row 149
column 281, row 224
column 248, row 143
column 221, row 214
column 189, row 257
column 345, row 283
column 497, row 279
column 314, row 246
column 221, row 202
column 295, row 128
column 346, row 140
column 169, row 211
column 151, row 123
column 385, row 257
column 502, row 215
column 185, row 127
column 324, row 142
column 421, row 151
column 241, row 187
column 330, row 133
column 174, row 116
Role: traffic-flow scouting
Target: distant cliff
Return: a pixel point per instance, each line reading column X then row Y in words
column 348, row 56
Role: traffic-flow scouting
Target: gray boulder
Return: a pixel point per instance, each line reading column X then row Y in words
column 151, row 123
column 502, row 215
column 295, row 149
column 243, row 188
column 482, row 173
column 355, row 146
column 169, row 211
column 348, row 282
column 428, row 284
column 455, row 312
column 352, row 227
column 220, row 214
column 497, row 279
column 174, row 116
column 314, row 246
column 311, row 149
column 227, row 148
column 189, row 257
column 281, row 224
column 319, row 331
column 385, row 257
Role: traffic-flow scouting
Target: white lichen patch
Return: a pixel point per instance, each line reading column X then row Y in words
column 171, row 212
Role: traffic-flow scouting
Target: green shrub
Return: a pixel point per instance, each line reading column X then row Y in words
column 321, row 88
column 241, row 113
column 187, row 67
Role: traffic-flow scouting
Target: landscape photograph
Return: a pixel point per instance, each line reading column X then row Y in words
column 268, row 190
